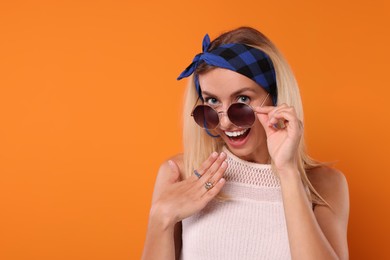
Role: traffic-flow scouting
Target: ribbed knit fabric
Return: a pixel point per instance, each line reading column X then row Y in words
column 250, row 225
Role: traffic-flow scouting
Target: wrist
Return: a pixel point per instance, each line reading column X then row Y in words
column 289, row 174
column 286, row 169
column 161, row 217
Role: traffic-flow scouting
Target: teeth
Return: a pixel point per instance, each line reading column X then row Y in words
column 234, row 134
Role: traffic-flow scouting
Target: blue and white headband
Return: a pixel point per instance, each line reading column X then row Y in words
column 244, row 59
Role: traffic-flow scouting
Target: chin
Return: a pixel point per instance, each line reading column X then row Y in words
column 243, row 152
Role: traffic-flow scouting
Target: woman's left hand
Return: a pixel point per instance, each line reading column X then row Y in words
column 284, row 131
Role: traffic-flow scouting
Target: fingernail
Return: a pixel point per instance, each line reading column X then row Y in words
column 214, row 154
column 222, row 180
column 224, row 164
column 170, row 162
column 222, row 155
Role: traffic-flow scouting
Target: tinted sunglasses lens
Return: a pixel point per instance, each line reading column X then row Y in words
column 206, row 117
column 241, row 115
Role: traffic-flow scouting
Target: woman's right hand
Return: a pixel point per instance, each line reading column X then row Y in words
column 175, row 200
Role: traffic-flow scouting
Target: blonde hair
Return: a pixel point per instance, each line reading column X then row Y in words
column 198, row 145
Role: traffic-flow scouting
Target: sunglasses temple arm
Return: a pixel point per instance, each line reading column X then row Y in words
column 210, row 134
column 195, row 104
column 262, row 103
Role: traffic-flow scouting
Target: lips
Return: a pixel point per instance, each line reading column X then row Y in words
column 237, row 138
column 236, row 133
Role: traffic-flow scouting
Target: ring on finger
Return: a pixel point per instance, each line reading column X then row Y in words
column 280, row 124
column 197, row 174
column 208, row 185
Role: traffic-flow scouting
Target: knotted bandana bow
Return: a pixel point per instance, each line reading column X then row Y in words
column 244, row 59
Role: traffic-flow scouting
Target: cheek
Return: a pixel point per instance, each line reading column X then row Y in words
column 258, row 129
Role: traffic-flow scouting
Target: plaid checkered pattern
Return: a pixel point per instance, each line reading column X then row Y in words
column 246, row 60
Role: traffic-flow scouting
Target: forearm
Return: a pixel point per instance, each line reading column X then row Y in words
column 306, row 238
column 159, row 243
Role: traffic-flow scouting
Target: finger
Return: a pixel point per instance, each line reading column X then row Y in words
column 208, row 196
column 267, row 109
column 214, row 167
column 264, row 120
column 275, row 116
column 264, row 109
column 290, row 119
column 277, row 109
column 205, row 165
column 218, row 174
column 265, row 113
column 280, row 123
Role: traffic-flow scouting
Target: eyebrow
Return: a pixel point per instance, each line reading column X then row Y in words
column 234, row 93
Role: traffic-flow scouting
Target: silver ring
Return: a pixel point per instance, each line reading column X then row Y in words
column 197, row 174
column 208, row 185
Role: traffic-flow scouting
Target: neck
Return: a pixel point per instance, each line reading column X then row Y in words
column 262, row 158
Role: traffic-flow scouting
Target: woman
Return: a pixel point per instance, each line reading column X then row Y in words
column 244, row 187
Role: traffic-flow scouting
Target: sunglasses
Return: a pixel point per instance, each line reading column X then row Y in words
column 240, row 114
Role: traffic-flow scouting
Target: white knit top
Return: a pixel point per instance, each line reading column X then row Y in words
column 250, row 225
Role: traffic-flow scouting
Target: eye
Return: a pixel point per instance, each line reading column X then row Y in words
column 243, row 99
column 211, row 101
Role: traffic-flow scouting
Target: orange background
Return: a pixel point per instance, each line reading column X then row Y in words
column 90, row 106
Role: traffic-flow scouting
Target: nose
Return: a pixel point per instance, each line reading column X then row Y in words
column 224, row 122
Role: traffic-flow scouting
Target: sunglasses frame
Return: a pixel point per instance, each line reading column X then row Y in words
column 225, row 112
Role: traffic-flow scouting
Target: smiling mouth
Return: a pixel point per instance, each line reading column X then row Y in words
column 237, row 135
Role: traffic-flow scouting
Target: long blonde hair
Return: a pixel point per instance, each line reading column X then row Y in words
column 198, row 145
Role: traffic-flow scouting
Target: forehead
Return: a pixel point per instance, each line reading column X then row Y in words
column 223, row 83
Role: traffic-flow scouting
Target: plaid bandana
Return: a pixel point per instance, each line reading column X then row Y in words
column 246, row 60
